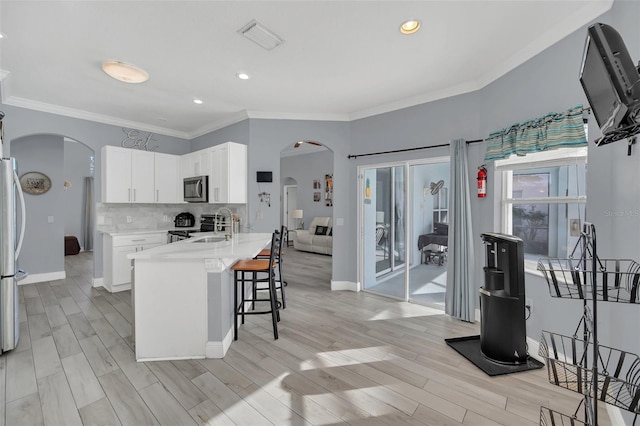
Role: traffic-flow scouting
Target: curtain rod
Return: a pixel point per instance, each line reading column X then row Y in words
column 442, row 145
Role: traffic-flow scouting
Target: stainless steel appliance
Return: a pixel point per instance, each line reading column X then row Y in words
column 178, row 235
column 213, row 223
column 10, row 246
column 208, row 223
column 196, row 189
column 184, row 220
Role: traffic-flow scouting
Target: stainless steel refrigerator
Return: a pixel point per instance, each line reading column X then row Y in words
column 11, row 204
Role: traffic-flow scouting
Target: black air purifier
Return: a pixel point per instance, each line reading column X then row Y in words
column 503, row 332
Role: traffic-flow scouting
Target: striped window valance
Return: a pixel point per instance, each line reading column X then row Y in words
column 554, row 130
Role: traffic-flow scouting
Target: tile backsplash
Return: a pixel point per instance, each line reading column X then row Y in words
column 115, row 217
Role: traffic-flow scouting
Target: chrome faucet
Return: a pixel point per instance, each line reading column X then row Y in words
column 228, row 225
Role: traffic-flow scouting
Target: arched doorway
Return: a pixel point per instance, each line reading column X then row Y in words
column 60, row 211
column 306, row 170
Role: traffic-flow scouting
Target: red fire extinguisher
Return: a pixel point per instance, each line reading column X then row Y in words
column 482, row 182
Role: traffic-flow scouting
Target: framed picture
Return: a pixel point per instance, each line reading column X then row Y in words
column 317, row 196
column 328, row 191
column 35, row 183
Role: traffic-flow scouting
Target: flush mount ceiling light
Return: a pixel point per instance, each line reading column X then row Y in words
column 197, row 101
column 243, row 76
column 261, row 35
column 410, row 26
column 126, row 73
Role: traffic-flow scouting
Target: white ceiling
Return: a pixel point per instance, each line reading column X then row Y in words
column 341, row 60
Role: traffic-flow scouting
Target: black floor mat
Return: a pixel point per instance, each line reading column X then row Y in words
column 469, row 347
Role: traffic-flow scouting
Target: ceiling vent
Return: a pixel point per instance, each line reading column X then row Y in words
column 261, row 35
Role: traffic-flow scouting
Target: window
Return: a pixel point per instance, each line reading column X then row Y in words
column 544, row 200
column 440, row 207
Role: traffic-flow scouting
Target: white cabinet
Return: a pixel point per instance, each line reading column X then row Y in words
column 168, row 185
column 136, row 176
column 127, row 175
column 228, row 181
column 117, row 268
column 196, row 163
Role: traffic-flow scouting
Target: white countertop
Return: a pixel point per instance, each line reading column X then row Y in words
column 241, row 246
column 146, row 231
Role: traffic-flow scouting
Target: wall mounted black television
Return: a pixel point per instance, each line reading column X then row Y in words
column 264, row 176
column 610, row 80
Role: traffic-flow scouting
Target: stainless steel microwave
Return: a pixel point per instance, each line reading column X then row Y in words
column 196, row 189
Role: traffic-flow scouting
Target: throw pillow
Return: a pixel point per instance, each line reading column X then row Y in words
column 321, row 230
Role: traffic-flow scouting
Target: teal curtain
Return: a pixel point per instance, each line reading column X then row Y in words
column 554, row 130
column 462, row 291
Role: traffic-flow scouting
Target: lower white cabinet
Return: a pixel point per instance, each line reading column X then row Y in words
column 117, row 268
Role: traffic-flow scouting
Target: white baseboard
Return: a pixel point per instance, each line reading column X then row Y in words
column 48, row 276
column 344, row 285
column 219, row 349
column 615, row 415
column 117, row 288
column 533, row 346
column 98, row 282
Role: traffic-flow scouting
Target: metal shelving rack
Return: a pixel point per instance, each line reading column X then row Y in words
column 598, row 372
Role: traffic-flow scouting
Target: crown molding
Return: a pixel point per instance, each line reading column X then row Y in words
column 298, row 116
column 461, row 89
column 84, row 115
column 219, row 124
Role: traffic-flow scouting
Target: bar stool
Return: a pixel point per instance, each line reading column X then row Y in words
column 253, row 267
column 265, row 254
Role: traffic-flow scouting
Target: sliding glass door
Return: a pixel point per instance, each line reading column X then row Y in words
column 402, row 206
column 384, row 216
column 429, row 203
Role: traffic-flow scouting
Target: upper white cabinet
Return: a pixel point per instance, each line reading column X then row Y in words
column 168, row 184
column 127, row 175
column 228, row 181
column 196, row 163
column 137, row 176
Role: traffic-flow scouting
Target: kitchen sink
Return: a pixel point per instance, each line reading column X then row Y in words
column 213, row 239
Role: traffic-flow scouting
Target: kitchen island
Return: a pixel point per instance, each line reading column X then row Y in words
column 183, row 296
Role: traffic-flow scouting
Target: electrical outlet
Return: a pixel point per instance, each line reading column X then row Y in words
column 129, row 219
column 165, row 218
column 259, row 216
column 529, row 303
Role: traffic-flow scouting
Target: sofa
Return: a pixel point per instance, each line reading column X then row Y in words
column 317, row 239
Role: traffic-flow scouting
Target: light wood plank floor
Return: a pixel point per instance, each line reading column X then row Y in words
column 342, row 358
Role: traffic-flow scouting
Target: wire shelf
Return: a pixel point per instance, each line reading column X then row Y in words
column 549, row 417
column 616, row 280
column 618, row 371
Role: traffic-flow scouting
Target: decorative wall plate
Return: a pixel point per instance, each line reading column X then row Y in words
column 35, row 183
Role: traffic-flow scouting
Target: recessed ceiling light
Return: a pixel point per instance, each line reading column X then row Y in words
column 410, row 26
column 197, row 101
column 243, row 76
column 126, row 73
